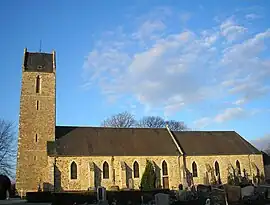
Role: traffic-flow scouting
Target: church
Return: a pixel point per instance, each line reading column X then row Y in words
column 68, row 158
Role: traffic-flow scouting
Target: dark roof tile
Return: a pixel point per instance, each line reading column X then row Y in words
column 100, row 141
column 214, row 143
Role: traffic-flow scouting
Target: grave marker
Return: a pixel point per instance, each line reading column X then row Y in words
column 101, row 195
column 162, row 199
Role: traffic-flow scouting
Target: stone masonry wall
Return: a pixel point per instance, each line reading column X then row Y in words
column 36, row 127
column 247, row 162
column 84, row 181
column 175, row 165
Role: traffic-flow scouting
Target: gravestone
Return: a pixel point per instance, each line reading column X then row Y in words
column 101, row 195
column 5, row 185
column 218, row 196
column 181, row 195
column 233, row 193
column 208, row 201
column 247, row 191
column 203, row 191
column 162, row 199
column 130, row 183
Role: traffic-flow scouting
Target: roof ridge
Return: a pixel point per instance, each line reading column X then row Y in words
column 72, row 126
column 148, row 128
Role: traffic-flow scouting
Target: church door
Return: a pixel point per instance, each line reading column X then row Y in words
column 165, row 182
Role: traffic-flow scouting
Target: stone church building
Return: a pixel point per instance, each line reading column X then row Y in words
column 77, row 158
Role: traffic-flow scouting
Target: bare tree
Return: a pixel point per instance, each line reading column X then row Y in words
column 126, row 119
column 152, row 122
column 7, row 148
column 120, row 120
column 176, row 125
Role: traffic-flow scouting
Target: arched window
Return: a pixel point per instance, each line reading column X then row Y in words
column 194, row 170
column 217, row 168
column 73, row 169
column 238, row 167
column 105, row 170
column 164, row 168
column 136, row 170
column 38, row 84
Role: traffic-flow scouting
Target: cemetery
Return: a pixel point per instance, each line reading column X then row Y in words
column 196, row 194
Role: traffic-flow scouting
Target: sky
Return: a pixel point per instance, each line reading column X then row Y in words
column 206, row 63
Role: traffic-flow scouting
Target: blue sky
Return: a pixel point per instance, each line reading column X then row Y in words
column 206, row 63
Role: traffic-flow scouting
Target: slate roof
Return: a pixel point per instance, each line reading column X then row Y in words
column 214, row 143
column 38, row 62
column 100, row 141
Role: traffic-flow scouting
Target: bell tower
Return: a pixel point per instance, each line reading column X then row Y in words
column 36, row 120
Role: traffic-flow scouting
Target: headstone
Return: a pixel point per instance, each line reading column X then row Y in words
column 268, row 193
column 204, row 188
column 7, row 195
column 208, row 202
column 101, row 193
column 21, row 193
column 233, row 193
column 218, row 196
column 162, row 199
column 130, row 183
column 181, row 195
column 247, row 191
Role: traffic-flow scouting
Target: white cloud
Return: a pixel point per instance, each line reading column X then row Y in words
column 262, row 143
column 184, row 17
column 230, row 30
column 182, row 68
column 252, row 16
column 230, row 113
column 250, row 72
column 148, row 29
column 203, row 122
column 240, row 101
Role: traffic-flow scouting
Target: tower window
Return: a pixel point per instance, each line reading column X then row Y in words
column 36, row 138
column 38, row 84
column 40, row 67
column 37, row 105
